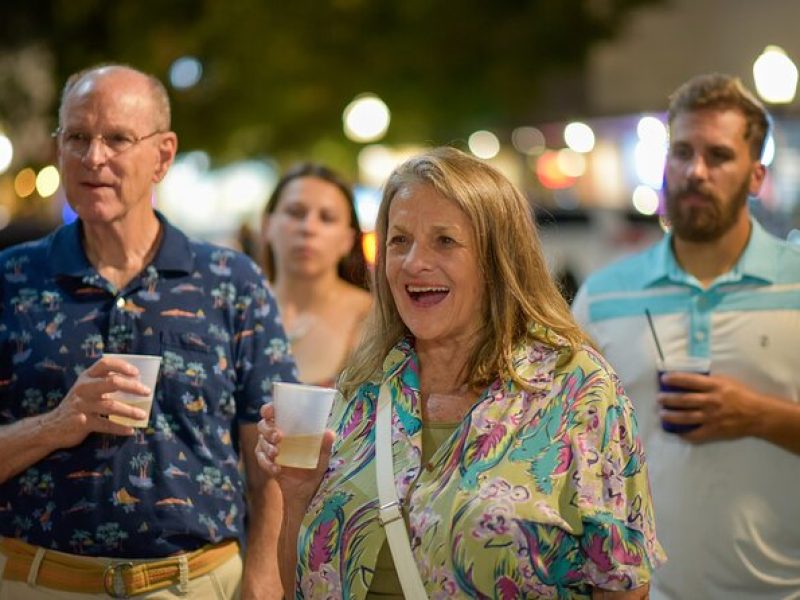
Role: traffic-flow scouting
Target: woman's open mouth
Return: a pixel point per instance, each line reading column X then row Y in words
column 427, row 295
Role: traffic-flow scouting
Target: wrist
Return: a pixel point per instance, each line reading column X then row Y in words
column 43, row 432
column 769, row 417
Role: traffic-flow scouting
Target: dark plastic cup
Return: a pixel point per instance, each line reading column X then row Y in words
column 686, row 364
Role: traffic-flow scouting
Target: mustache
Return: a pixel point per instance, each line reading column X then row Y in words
column 692, row 189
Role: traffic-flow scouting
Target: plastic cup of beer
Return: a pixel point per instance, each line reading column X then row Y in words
column 684, row 364
column 148, row 374
column 301, row 413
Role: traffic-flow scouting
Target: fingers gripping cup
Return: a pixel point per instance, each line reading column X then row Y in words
column 148, row 374
column 684, row 364
column 301, row 413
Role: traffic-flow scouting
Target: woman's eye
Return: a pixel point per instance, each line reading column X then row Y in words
column 396, row 239
column 296, row 212
column 327, row 217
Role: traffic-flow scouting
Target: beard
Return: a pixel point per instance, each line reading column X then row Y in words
column 706, row 222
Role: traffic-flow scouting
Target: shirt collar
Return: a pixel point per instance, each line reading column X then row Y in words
column 542, row 346
column 68, row 257
column 756, row 262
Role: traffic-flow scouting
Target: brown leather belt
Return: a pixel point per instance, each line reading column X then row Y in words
column 70, row 573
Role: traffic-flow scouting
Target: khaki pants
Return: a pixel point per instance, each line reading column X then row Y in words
column 223, row 583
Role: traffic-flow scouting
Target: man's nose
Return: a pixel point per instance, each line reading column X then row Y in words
column 697, row 168
column 96, row 152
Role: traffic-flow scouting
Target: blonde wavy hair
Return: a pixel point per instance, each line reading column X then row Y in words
column 519, row 289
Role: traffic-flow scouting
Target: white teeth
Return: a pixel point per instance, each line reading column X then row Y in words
column 414, row 289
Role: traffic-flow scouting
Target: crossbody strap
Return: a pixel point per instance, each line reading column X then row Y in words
column 389, row 513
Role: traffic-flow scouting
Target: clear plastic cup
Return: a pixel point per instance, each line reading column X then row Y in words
column 148, row 374
column 682, row 364
column 301, row 413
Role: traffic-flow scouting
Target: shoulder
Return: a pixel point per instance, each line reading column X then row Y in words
column 358, row 299
column 587, row 376
column 351, row 305
column 586, row 359
column 225, row 262
column 25, row 264
column 34, row 249
column 786, row 256
column 625, row 274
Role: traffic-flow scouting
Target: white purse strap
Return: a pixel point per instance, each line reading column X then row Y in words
column 389, row 513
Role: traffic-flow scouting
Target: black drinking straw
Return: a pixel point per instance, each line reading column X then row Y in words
column 653, row 331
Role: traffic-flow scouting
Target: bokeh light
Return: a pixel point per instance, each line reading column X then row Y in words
column 550, row 174
column 369, row 243
column 571, row 163
column 528, row 140
column 185, row 72
column 652, row 130
column 47, row 181
column 6, row 153
column 366, row 119
column 484, row 144
column 579, row 137
column 768, row 154
column 649, row 160
column 645, row 200
column 25, row 182
column 775, row 76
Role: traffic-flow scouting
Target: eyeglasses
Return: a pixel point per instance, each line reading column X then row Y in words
column 78, row 143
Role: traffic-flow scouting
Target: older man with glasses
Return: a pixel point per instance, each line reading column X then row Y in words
column 90, row 507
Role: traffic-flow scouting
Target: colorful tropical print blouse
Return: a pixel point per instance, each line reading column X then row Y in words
column 175, row 485
column 537, row 494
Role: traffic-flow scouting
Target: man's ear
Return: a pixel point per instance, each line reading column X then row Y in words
column 167, row 148
column 757, row 178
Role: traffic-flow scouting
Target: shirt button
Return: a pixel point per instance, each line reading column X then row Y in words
column 700, row 336
column 120, row 303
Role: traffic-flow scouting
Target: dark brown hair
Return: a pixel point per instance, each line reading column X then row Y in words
column 353, row 267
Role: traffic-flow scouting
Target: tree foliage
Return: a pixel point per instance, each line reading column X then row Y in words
column 277, row 74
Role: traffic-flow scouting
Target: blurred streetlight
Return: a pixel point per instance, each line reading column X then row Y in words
column 484, row 144
column 579, row 137
column 366, row 118
column 185, row 72
column 6, row 153
column 775, row 76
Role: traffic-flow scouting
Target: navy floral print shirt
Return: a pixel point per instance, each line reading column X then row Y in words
column 177, row 484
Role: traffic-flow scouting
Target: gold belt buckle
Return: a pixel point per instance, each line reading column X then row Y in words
column 114, row 575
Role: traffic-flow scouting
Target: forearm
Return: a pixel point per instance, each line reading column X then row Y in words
column 779, row 424
column 287, row 549
column 23, row 444
column 261, row 578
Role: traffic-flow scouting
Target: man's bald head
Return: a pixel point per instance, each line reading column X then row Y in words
column 84, row 81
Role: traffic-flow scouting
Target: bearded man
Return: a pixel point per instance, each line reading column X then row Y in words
column 721, row 288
